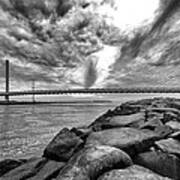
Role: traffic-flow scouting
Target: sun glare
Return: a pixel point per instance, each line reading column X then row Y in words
column 130, row 13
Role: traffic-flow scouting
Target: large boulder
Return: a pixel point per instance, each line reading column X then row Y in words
column 48, row 171
column 9, row 164
column 35, row 169
column 128, row 139
column 92, row 161
column 165, row 164
column 170, row 145
column 127, row 109
column 82, row 132
column 151, row 124
column 29, row 169
column 63, row 146
column 134, row 172
column 163, row 131
column 175, row 112
column 133, row 120
column 174, row 125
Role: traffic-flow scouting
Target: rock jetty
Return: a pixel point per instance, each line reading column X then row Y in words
column 136, row 140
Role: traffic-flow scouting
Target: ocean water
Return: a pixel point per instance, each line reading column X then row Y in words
column 25, row 130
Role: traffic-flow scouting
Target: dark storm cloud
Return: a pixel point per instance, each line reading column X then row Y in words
column 170, row 7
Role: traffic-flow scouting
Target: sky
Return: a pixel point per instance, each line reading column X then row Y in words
column 89, row 44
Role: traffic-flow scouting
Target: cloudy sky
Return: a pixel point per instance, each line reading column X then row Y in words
column 90, row 43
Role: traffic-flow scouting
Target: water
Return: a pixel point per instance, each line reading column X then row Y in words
column 25, row 130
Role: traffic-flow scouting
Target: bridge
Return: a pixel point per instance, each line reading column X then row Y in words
column 92, row 91
column 7, row 93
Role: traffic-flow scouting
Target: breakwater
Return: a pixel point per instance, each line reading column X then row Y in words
column 135, row 140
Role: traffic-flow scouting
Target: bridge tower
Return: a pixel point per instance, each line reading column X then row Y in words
column 33, row 89
column 7, row 80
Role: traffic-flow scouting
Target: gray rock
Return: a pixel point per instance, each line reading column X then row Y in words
column 152, row 124
column 82, row 132
column 27, row 170
column 127, row 109
column 9, row 164
column 170, row 145
column 92, row 161
column 134, row 172
column 167, row 165
column 128, row 139
column 133, row 120
column 174, row 125
column 163, row 131
column 63, row 145
column 164, row 110
column 171, row 116
column 164, row 114
column 175, row 135
column 48, row 171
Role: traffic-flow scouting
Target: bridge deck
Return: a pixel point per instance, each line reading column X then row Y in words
column 92, row 91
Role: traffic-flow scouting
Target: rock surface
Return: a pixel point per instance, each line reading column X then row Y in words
column 93, row 161
column 35, row 169
column 48, row 171
column 136, row 140
column 174, row 125
column 8, row 164
column 162, row 163
column 133, row 120
column 129, row 139
column 63, row 146
column 171, row 146
column 134, row 172
column 27, row 170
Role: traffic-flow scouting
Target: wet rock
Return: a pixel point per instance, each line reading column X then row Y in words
column 27, row 170
column 129, row 139
column 82, row 132
column 165, row 110
column 167, row 165
column 163, row 131
column 154, row 115
column 175, row 135
column 170, row 145
column 127, row 109
column 48, row 171
column 171, row 116
column 133, row 120
column 63, row 146
column 92, row 161
column 175, row 103
column 174, row 125
column 152, row 124
column 134, row 172
column 9, row 164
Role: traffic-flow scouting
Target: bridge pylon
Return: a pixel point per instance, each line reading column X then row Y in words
column 7, row 80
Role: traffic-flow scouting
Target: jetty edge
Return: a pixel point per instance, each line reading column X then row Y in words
column 135, row 140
